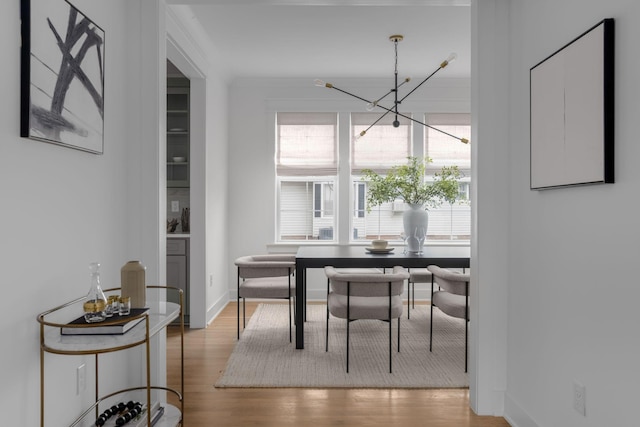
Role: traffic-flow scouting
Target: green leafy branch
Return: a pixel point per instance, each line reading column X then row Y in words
column 406, row 182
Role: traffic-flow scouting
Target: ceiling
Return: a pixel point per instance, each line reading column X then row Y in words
column 346, row 38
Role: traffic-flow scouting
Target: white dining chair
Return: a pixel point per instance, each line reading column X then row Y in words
column 365, row 295
column 452, row 298
column 266, row 276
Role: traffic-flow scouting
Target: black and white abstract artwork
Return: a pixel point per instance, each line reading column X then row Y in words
column 62, row 86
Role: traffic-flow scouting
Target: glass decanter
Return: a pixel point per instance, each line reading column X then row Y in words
column 95, row 303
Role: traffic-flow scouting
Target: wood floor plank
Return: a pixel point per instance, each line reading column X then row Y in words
column 206, row 353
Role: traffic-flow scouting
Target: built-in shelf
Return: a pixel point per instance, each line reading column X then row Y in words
column 178, row 138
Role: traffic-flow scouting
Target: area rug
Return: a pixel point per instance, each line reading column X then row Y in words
column 264, row 357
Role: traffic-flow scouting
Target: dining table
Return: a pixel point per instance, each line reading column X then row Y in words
column 352, row 256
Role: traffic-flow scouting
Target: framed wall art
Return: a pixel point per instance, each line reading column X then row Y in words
column 572, row 112
column 62, row 72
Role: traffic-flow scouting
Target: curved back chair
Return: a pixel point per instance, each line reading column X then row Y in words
column 452, row 299
column 365, row 295
column 416, row 275
column 265, row 277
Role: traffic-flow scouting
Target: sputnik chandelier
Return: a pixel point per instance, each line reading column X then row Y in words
column 371, row 105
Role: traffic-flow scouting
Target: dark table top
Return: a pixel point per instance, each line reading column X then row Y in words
column 342, row 256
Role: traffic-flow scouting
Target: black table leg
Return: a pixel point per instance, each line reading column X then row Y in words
column 301, row 304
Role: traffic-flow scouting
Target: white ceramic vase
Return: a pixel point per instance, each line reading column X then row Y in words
column 415, row 221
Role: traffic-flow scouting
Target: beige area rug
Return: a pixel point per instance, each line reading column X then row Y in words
column 264, row 357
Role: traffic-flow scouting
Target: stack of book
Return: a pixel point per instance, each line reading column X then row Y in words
column 116, row 325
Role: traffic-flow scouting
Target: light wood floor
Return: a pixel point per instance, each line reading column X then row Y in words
column 206, row 353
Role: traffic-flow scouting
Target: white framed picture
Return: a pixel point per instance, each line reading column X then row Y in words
column 572, row 112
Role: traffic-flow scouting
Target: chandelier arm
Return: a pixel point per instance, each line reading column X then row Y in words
column 350, row 94
column 382, row 97
column 389, row 110
column 463, row 140
column 421, row 83
column 374, row 123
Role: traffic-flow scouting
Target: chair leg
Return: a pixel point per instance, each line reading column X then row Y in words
column 327, row 337
column 399, row 334
column 466, row 336
column 390, row 329
column 409, row 299
column 348, row 316
column 290, row 333
column 289, row 301
column 347, row 344
column 238, row 301
column 431, row 318
column 390, row 352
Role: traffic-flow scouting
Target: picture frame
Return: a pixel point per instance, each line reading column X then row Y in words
column 62, row 76
column 572, row 112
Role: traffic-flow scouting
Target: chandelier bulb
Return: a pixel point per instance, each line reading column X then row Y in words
column 407, row 80
column 464, row 140
column 360, row 135
column 321, row 83
column 372, row 105
column 452, row 57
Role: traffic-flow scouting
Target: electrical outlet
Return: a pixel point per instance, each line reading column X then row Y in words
column 81, row 379
column 175, row 206
column 579, row 398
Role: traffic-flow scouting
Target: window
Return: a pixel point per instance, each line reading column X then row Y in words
column 383, row 147
column 306, row 171
column 307, row 175
column 450, row 221
column 359, row 200
column 323, row 200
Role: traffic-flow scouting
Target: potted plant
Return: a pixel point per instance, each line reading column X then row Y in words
column 406, row 182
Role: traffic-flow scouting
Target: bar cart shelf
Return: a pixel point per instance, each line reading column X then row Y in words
column 161, row 314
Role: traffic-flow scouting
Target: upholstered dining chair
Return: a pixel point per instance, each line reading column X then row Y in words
column 416, row 275
column 266, row 276
column 452, row 298
column 365, row 295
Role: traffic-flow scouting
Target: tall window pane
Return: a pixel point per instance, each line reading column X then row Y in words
column 306, row 168
column 451, row 221
column 382, row 147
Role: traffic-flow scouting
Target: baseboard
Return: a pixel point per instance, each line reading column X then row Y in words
column 215, row 309
column 515, row 415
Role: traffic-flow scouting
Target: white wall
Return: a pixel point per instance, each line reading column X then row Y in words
column 61, row 209
column 573, row 291
column 252, row 107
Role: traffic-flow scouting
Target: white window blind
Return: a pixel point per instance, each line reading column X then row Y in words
column 306, row 144
column 383, row 146
column 443, row 149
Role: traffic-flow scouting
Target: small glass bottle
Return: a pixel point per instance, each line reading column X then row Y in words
column 95, row 303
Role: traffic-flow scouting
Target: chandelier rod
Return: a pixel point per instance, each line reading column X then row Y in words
column 390, row 110
column 396, row 39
